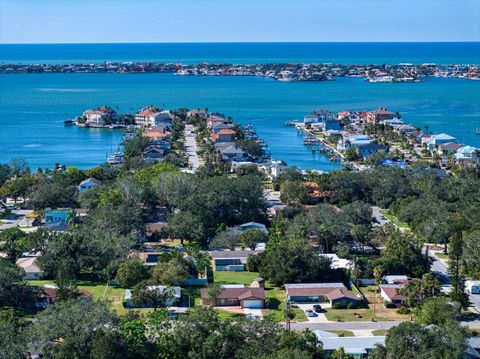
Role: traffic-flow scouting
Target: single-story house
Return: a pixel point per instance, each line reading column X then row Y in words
column 448, row 148
column 31, row 268
column 467, row 154
column 230, row 260
column 176, row 295
column 358, row 347
column 338, row 262
column 237, row 296
column 390, row 292
column 48, row 295
column 57, row 215
column 436, row 140
column 320, row 292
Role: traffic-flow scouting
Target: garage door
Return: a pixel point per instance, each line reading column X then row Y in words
column 252, row 303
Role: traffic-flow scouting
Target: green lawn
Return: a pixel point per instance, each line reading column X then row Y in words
column 379, row 332
column 342, row 333
column 224, row 315
column 231, row 277
column 99, row 291
column 394, row 219
column 441, row 255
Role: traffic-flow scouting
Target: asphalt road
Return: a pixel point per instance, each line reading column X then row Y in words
column 344, row 325
column 191, row 148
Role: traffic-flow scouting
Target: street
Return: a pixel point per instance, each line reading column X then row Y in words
column 191, row 148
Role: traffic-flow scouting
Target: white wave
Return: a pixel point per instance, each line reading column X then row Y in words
column 43, row 89
column 32, row 145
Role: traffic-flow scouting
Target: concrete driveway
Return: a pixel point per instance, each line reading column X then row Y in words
column 320, row 317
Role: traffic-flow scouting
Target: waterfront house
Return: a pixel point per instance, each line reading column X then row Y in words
column 30, row 267
column 172, row 296
column 368, row 149
column 218, row 126
column 448, row 148
column 310, row 118
column 215, row 119
column 437, row 140
column 196, row 112
column 58, row 215
column 406, row 129
column 225, row 135
column 379, row 115
column 467, row 155
column 391, row 293
column 99, row 117
column 394, row 122
column 236, row 296
column 88, row 184
column 152, row 116
column 233, row 153
column 320, row 292
column 226, row 260
column 154, row 154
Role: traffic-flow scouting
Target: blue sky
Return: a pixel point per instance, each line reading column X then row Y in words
column 77, row 21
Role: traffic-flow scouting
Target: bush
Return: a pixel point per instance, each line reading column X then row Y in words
column 403, row 310
column 389, row 305
column 338, row 306
column 351, row 305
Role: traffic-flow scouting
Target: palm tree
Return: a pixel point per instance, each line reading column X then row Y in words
column 378, row 274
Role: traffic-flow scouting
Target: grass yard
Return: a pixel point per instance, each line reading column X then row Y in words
column 441, row 255
column 275, row 296
column 380, row 332
column 342, row 333
column 394, row 219
column 232, row 277
column 366, row 314
column 225, row 315
column 99, row 291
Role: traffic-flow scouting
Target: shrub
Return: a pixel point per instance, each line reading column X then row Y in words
column 338, row 306
column 351, row 305
column 403, row 310
column 389, row 305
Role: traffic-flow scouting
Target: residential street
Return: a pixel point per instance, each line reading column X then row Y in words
column 344, row 325
column 191, row 148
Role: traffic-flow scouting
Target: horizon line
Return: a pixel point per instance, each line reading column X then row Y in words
column 242, row 42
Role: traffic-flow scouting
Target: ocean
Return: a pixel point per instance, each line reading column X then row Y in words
column 34, row 106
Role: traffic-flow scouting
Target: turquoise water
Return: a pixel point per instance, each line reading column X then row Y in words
column 343, row 53
column 34, row 106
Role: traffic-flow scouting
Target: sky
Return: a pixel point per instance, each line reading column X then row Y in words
column 109, row 21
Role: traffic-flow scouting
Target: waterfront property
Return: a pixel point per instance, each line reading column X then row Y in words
column 99, row 117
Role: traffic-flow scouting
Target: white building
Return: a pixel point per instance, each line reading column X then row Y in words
column 31, row 268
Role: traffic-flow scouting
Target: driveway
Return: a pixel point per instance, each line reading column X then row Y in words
column 320, row 317
column 352, row 326
column 380, row 218
column 253, row 313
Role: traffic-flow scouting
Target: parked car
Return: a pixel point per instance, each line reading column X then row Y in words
column 317, row 308
column 310, row 313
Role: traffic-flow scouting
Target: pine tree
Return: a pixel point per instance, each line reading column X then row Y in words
column 455, row 270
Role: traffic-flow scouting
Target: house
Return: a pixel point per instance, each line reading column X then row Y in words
column 320, row 292
column 225, row 135
column 395, row 279
column 310, row 118
column 233, row 153
column 152, row 116
column 406, row 129
column 57, row 215
column 88, row 184
column 467, row 155
column 154, row 154
column 394, row 122
column 252, row 225
column 79, row 214
column 48, row 295
column 157, row 132
column 153, row 229
column 218, row 126
column 236, row 296
column 368, row 149
column 230, row 260
column 196, row 112
column 390, row 293
column 99, row 117
column 172, row 295
column 336, row 262
column 30, row 267
column 448, row 148
column 379, row 115
column 357, row 346
column 436, row 140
